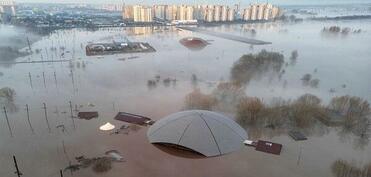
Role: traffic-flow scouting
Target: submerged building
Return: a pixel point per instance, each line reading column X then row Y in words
column 207, row 133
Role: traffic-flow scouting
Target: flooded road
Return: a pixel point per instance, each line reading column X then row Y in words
column 108, row 84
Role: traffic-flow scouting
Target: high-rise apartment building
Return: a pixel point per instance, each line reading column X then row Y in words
column 217, row 13
column 263, row 11
column 159, row 11
column 171, row 12
column 231, row 14
column 224, row 13
column 209, row 14
column 142, row 13
column 190, row 13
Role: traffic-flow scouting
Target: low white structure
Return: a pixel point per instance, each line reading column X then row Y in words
column 107, row 127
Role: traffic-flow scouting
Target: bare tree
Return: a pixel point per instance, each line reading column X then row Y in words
column 304, row 109
column 198, row 100
column 249, row 108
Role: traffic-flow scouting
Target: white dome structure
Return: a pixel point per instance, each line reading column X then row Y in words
column 107, row 127
column 205, row 132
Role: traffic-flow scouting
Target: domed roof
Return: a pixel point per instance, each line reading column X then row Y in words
column 205, row 132
column 194, row 43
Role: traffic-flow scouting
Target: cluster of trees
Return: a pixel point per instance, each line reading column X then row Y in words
column 309, row 81
column 356, row 114
column 254, row 65
column 152, row 83
column 198, row 100
column 304, row 111
column 337, row 30
column 7, row 94
column 299, row 113
column 341, row 168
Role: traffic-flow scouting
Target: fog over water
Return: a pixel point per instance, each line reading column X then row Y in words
column 113, row 83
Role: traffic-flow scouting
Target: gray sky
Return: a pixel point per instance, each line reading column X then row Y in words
column 281, row 2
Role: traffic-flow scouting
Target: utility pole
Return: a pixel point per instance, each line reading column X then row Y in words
column 46, row 117
column 73, row 121
column 19, row 174
column 44, row 79
column 29, row 76
column 61, row 173
column 55, row 79
column 28, row 118
column 29, row 44
column 73, row 81
column 7, row 121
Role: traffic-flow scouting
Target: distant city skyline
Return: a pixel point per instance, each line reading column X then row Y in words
column 149, row 2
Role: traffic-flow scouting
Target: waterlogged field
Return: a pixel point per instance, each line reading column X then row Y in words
column 108, row 84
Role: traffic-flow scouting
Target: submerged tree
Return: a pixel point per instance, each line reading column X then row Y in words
column 341, row 168
column 294, row 56
column 102, row 165
column 355, row 112
column 304, row 110
column 248, row 109
column 7, row 99
column 255, row 65
column 198, row 100
column 228, row 94
column 194, row 80
column 7, row 94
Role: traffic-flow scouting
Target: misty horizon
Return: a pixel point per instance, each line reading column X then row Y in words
column 150, row 2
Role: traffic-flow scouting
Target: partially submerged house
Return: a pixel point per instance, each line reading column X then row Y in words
column 87, row 115
column 133, row 118
column 297, row 136
column 268, row 147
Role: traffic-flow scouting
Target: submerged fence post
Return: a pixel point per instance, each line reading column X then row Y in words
column 7, row 121
column 28, row 119
column 19, row 174
column 46, row 117
column 73, row 121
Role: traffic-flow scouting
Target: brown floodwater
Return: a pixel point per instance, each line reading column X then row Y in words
column 108, row 84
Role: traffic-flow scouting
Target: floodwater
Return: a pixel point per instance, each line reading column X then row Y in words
column 109, row 84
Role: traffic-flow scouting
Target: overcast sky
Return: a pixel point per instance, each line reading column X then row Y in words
column 281, row 2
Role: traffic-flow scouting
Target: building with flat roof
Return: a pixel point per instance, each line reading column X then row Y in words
column 264, row 11
column 140, row 14
column 160, row 11
column 7, row 10
column 231, row 14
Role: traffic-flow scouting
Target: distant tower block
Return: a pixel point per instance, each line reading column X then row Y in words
column 8, row 6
